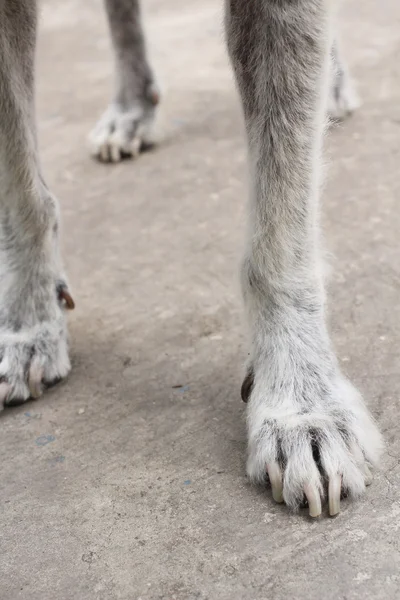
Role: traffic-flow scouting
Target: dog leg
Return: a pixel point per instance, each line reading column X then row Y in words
column 127, row 125
column 308, row 427
column 33, row 291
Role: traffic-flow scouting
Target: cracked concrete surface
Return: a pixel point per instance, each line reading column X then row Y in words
column 127, row 481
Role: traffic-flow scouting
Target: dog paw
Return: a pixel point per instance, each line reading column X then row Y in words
column 35, row 356
column 123, row 132
column 311, row 437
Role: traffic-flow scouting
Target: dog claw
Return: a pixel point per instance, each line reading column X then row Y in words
column 314, row 500
column 115, row 154
column 104, row 154
column 153, row 94
column 368, row 475
column 63, row 294
column 4, row 391
column 247, row 386
column 35, row 380
column 335, row 484
column 275, row 477
column 135, row 147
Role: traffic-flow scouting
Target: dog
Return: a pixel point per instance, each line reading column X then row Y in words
column 308, row 428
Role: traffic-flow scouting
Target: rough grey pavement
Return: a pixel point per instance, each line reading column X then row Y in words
column 127, row 481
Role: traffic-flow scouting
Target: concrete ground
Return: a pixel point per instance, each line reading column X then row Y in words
column 127, row 481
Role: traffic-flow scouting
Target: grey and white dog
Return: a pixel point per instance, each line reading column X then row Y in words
column 308, row 428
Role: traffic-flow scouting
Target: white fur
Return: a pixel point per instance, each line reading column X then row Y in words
column 112, row 137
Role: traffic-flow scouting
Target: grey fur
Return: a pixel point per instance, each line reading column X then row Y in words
column 305, row 420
